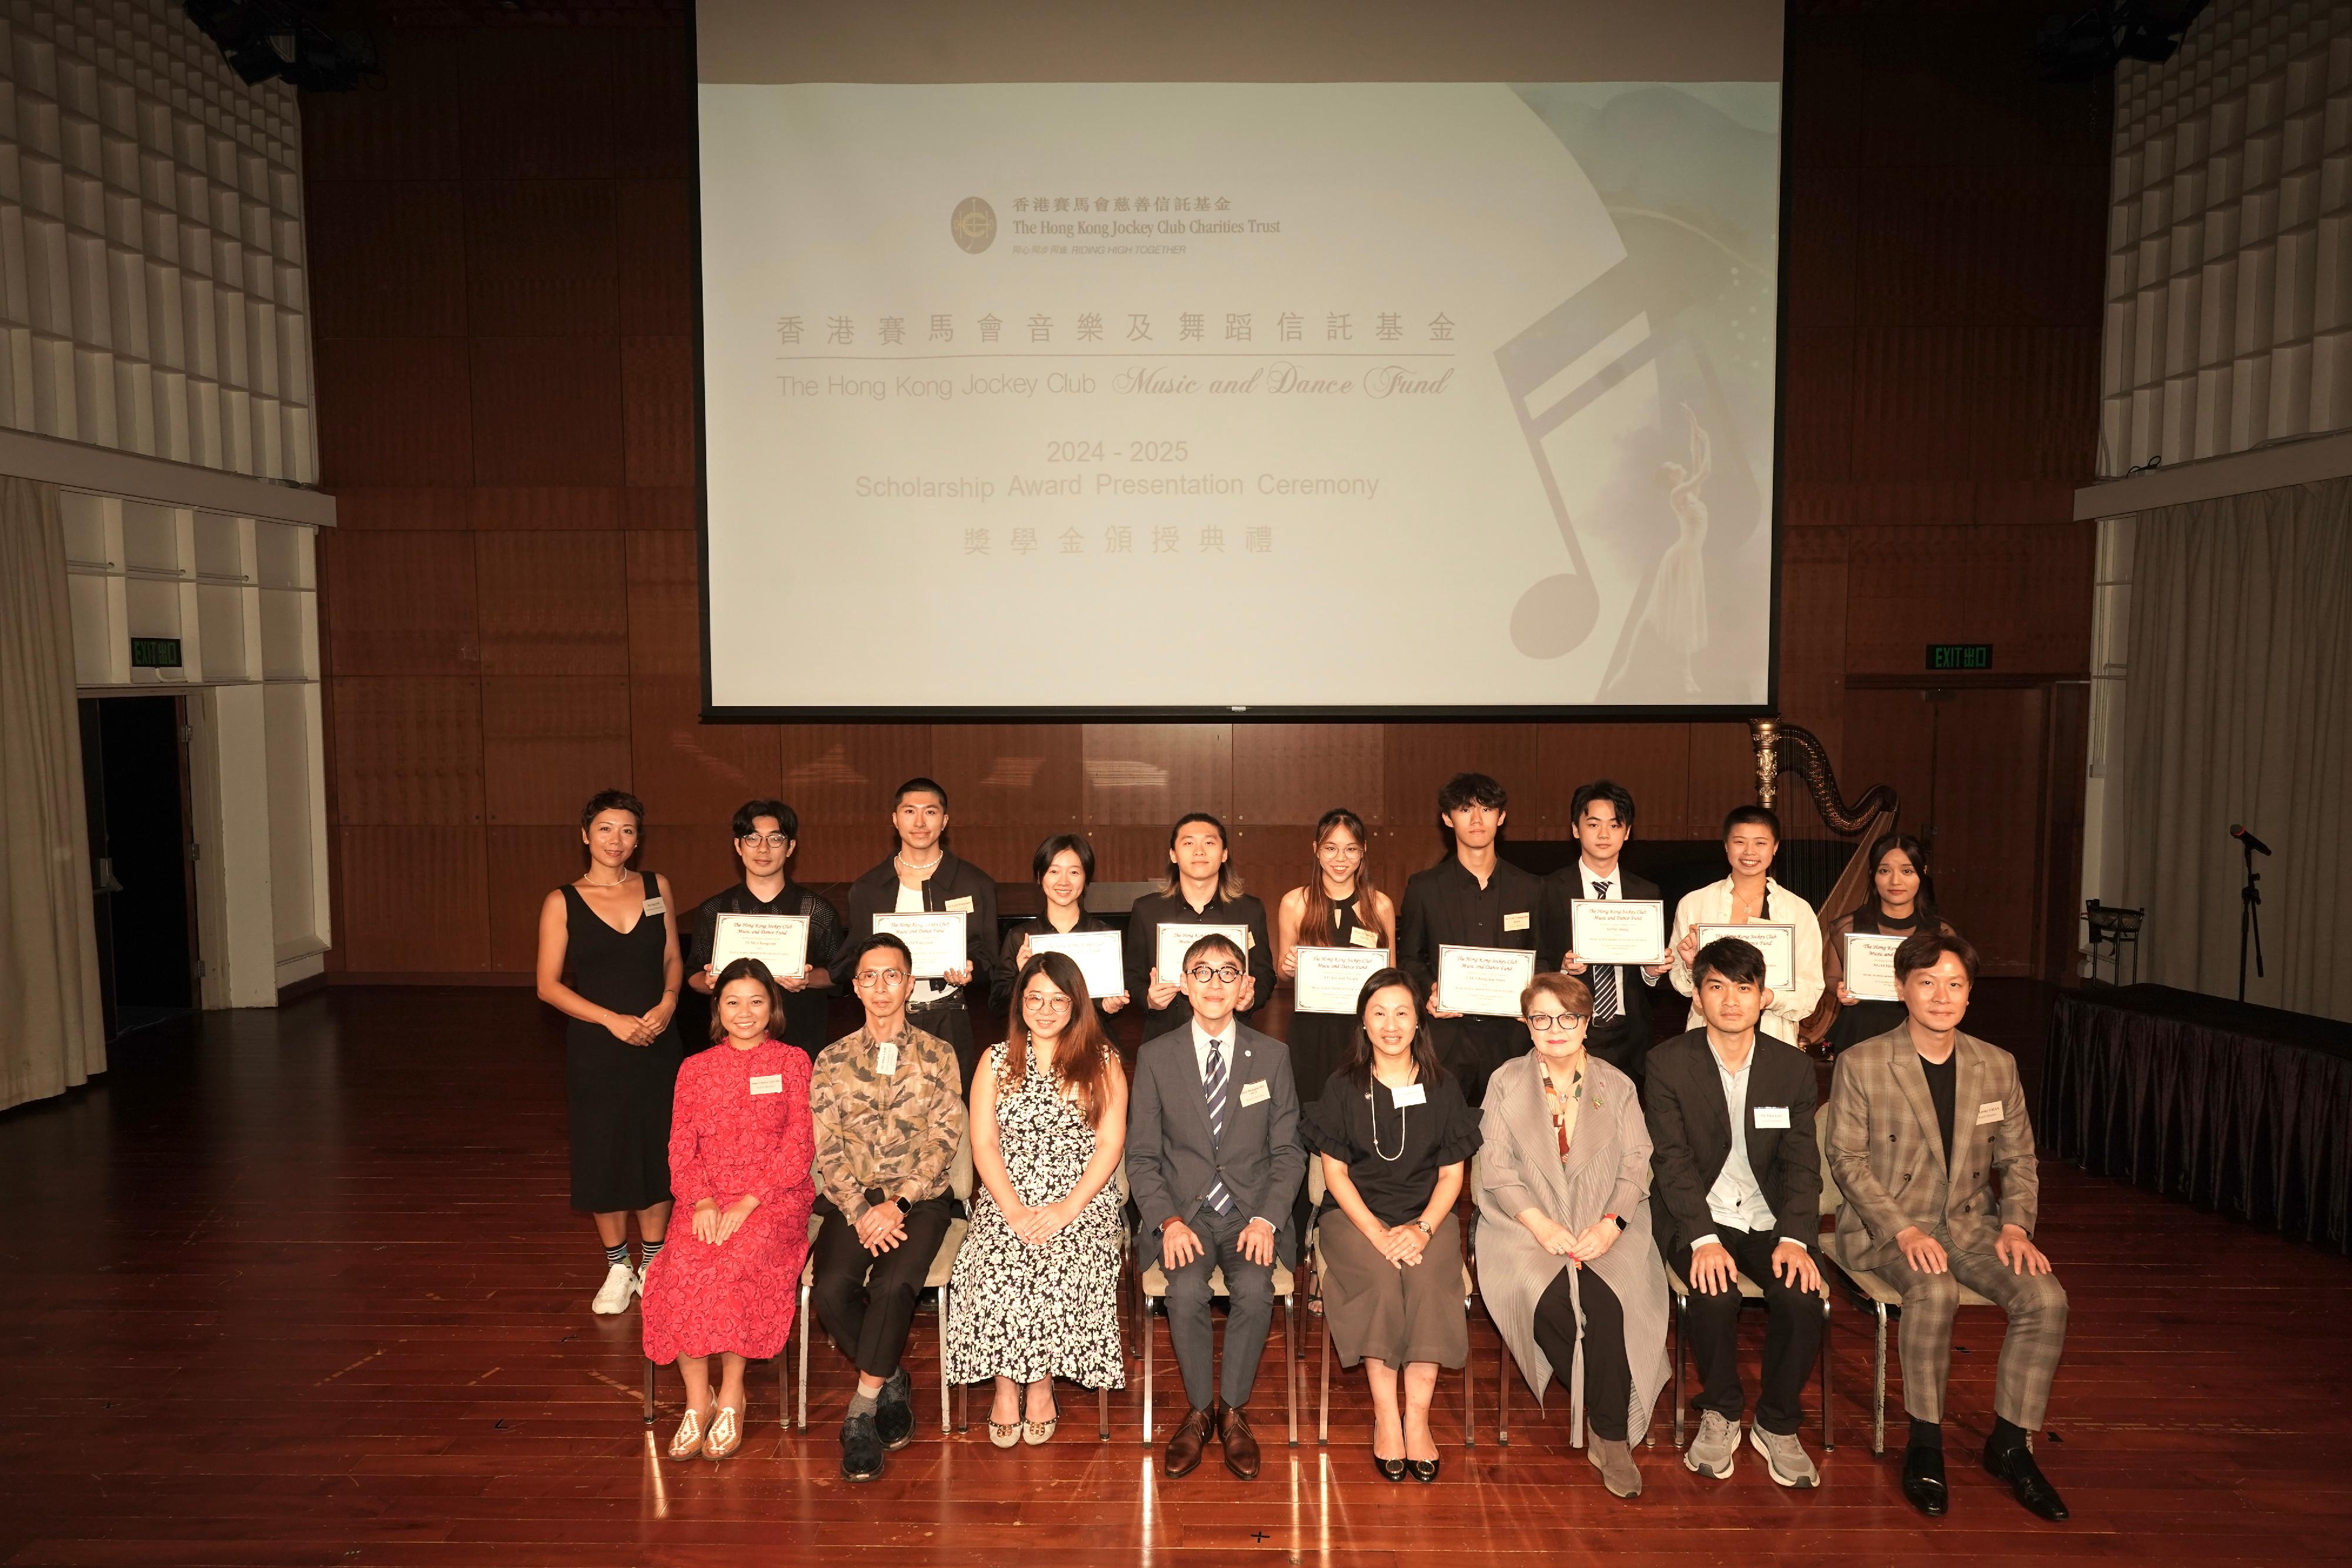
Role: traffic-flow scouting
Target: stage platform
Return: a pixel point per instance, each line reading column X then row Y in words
column 300, row 1287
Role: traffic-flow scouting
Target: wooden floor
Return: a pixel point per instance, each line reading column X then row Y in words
column 301, row 1287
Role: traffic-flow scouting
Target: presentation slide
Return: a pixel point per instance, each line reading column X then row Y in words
column 1232, row 397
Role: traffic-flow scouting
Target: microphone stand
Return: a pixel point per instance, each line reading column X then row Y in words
column 2250, row 920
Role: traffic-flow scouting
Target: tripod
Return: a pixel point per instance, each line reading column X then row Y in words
column 2250, row 919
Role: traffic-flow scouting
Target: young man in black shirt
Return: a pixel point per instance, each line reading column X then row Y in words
column 1472, row 898
column 1200, row 889
column 1601, row 818
column 766, row 833
column 922, row 875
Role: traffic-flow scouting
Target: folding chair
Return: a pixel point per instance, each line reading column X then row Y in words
column 1748, row 1291
column 1151, row 1285
column 1315, row 1251
column 1102, row 1394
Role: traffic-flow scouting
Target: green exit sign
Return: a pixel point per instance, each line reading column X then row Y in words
column 1959, row 655
column 155, row 652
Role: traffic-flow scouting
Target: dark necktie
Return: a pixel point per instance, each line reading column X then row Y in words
column 1213, row 1089
column 1604, row 976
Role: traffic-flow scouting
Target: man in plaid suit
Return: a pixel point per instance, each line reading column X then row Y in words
column 1920, row 1121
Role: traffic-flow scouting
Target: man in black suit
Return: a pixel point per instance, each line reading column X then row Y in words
column 1749, row 1203
column 1601, row 820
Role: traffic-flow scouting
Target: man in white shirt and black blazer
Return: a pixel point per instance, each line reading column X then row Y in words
column 1602, row 821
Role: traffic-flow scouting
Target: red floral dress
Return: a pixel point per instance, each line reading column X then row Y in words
column 739, row 1123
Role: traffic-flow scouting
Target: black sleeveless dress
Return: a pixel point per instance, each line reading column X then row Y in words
column 1320, row 1042
column 1868, row 1020
column 619, row 1094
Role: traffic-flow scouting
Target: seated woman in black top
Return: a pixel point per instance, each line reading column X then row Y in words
column 1064, row 867
column 1393, row 1133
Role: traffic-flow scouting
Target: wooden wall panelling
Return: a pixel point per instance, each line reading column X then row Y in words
column 400, row 508
column 2023, row 589
column 2034, row 381
column 549, row 742
column 1824, row 217
column 1003, row 850
column 408, row 749
column 552, row 603
column 1891, row 740
column 541, row 104
column 689, row 773
column 409, row 131
column 1135, row 851
column 1150, row 774
column 657, row 410
column 1813, row 632
column 699, row 859
column 655, row 104
column 416, row 903
column 1295, row 772
column 1272, row 859
column 577, row 508
column 675, row 508
column 1817, row 411
column 1653, row 760
column 656, row 256
column 844, row 774
column 526, row 864
column 1989, row 776
column 1723, row 775
column 2058, row 937
column 665, row 605
column 1418, row 758
column 393, row 411
column 1010, row 773
column 396, row 252
column 1912, row 415
column 542, row 257
column 404, row 603
column 547, row 411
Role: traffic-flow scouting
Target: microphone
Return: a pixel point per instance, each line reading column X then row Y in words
column 2247, row 839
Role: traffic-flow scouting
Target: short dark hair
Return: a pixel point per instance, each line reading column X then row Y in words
column 747, row 969
column 787, row 822
column 1926, row 949
column 1472, row 789
column 1620, row 799
column 879, row 939
column 604, row 800
column 1216, row 942
column 918, row 784
column 1054, row 845
column 1760, row 816
column 1735, row 958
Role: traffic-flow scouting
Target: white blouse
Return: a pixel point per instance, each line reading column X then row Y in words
column 1711, row 905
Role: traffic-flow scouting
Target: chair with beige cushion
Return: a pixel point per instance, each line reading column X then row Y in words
column 1151, row 1285
column 1315, row 1253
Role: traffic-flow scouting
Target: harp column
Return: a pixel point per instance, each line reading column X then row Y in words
column 1765, row 733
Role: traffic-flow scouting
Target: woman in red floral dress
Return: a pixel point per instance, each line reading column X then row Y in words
column 741, row 1145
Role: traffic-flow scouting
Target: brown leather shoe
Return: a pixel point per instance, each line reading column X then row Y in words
column 1185, row 1449
column 1237, row 1440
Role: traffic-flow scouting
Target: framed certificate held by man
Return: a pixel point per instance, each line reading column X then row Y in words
column 934, row 940
column 1618, row 930
column 1484, row 981
column 1776, row 943
column 1869, row 968
column 1176, row 939
column 1096, row 954
column 778, row 941
column 1329, row 979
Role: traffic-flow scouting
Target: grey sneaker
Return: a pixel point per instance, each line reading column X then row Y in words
column 1711, row 1452
column 1615, row 1463
column 1785, row 1457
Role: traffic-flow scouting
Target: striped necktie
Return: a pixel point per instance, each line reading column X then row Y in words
column 1604, row 976
column 1213, row 1089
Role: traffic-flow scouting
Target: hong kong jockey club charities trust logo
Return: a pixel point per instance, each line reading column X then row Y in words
column 973, row 225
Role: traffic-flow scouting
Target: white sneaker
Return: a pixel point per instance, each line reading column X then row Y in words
column 621, row 1282
column 1712, row 1451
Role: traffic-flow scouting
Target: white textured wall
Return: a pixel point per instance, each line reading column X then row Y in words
column 2230, row 242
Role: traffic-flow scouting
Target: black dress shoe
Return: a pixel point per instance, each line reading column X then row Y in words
column 1424, row 1471
column 1390, row 1469
column 894, row 1411
column 861, row 1448
column 2025, row 1479
column 1923, row 1482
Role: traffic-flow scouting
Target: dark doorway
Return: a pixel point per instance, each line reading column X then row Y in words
column 135, row 780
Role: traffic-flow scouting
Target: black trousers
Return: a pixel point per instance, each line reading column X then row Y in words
column 949, row 1021
column 866, row 1314
column 1608, row 1376
column 1792, row 1335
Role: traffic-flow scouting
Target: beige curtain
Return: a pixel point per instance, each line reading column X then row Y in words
column 52, row 1035
column 2237, row 704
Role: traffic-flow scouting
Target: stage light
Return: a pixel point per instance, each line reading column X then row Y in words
column 265, row 39
column 2086, row 45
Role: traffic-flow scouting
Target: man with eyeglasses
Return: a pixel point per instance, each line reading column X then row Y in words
column 887, row 1101
column 1214, row 1161
column 765, row 831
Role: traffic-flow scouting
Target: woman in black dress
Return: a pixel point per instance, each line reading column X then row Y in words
column 1064, row 866
column 1340, row 907
column 1900, row 903
column 616, row 932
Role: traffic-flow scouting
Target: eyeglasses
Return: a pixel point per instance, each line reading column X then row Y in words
column 770, row 840
column 1556, row 1021
column 871, row 978
column 1038, row 1002
column 1342, row 851
column 1204, row 972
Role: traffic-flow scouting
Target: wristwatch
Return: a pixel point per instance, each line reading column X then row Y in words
column 1423, row 1226
column 904, row 1206
column 1618, row 1218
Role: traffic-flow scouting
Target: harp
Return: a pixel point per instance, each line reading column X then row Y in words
column 1791, row 748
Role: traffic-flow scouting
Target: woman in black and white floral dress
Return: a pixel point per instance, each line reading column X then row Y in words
column 1035, row 1290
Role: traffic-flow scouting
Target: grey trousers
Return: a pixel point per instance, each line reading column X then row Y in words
column 1250, row 1288
column 2030, row 1351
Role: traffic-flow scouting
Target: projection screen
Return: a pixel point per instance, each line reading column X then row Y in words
column 1357, row 359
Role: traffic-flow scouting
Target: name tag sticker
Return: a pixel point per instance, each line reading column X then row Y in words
column 1771, row 1116
column 1253, row 1093
column 1516, row 922
column 1364, row 937
column 1411, row 1095
column 959, row 906
column 768, row 1083
column 655, row 906
column 886, row 1059
column 1988, row 1112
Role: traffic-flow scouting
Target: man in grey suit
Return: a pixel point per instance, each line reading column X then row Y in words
column 1920, row 1119
column 1213, row 1162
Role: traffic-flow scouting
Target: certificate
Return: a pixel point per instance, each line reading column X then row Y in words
column 1487, row 980
column 1870, row 966
column 934, row 940
column 778, row 941
column 1618, row 930
column 1176, row 939
column 1776, row 943
column 1097, row 955
column 1329, row 979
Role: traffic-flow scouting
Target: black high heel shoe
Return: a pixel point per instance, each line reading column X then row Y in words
column 1390, row 1469
column 1424, row 1471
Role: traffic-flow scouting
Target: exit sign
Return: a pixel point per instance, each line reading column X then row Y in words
column 155, row 652
column 1959, row 655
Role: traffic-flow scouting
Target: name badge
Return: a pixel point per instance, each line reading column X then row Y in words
column 655, row 906
column 959, row 906
column 1516, row 922
column 768, row 1083
column 886, row 1059
column 1364, row 937
column 1988, row 1112
column 1768, row 1116
column 1253, row 1093
column 1411, row 1095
